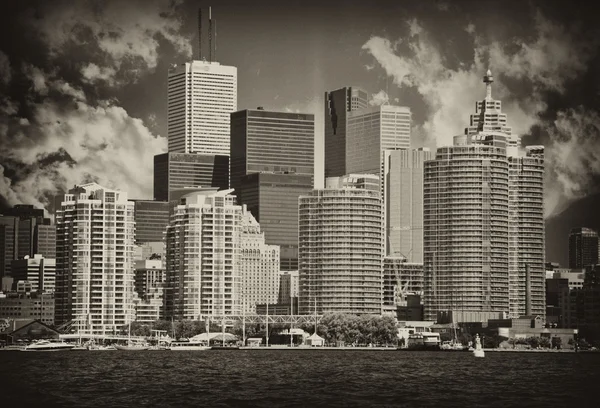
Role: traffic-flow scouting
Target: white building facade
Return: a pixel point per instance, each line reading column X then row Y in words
column 95, row 234
column 201, row 97
column 203, row 249
column 341, row 239
column 483, row 220
column 258, row 266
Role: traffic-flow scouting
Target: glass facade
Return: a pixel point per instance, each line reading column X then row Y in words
column 174, row 171
column 151, row 220
column 271, row 142
column 337, row 105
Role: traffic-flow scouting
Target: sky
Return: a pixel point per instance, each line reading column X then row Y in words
column 83, row 84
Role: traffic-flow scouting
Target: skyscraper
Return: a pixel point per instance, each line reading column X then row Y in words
column 371, row 134
column 173, row 171
column 272, row 162
column 483, row 220
column 24, row 231
column 271, row 142
column 203, row 249
column 39, row 271
column 95, row 232
column 583, row 248
column 151, row 220
column 341, row 247
column 404, row 202
column 258, row 266
column 201, row 95
column 337, row 105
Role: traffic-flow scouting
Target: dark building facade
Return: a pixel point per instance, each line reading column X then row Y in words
column 151, row 219
column 177, row 170
column 270, row 142
column 273, row 201
column 583, row 248
column 24, row 232
column 337, row 104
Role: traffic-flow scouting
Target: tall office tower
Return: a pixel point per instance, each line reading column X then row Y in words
column 272, row 164
column 271, row 142
column 202, row 276
column 370, row 136
column 258, row 266
column 483, row 220
column 273, row 200
column 404, row 202
column 44, row 241
column 40, row 271
column 95, row 232
column 151, row 220
column 201, row 96
column 341, row 247
column 583, row 248
column 24, row 232
column 174, row 171
column 337, row 105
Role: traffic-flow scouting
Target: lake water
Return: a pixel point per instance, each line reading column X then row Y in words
column 275, row 378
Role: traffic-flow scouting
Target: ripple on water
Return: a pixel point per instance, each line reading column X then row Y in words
column 297, row 378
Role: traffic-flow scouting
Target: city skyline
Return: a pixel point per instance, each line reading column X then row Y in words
column 80, row 97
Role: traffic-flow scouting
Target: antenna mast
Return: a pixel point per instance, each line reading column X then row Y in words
column 199, row 34
column 210, row 29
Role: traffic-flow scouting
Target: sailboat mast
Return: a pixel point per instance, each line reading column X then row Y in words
column 267, row 323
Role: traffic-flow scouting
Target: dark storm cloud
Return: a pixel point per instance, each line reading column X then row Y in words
column 62, row 122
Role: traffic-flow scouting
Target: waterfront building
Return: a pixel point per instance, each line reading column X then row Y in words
column 151, row 219
column 483, row 220
column 258, row 266
column 149, row 277
column 24, row 231
column 273, row 200
column 201, row 96
column 403, row 185
column 148, row 310
column 95, row 232
column 202, row 276
column 173, row 171
column 39, row 271
column 583, row 248
column 337, row 105
column 28, row 306
column 341, row 247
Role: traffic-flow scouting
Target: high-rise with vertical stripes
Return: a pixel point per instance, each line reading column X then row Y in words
column 483, row 220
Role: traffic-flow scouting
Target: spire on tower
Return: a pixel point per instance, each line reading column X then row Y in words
column 488, row 79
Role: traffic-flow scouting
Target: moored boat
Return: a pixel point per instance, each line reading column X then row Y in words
column 45, row 345
column 188, row 346
column 131, row 347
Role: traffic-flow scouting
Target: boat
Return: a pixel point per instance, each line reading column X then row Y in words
column 45, row 345
column 188, row 346
column 95, row 347
column 79, row 347
column 131, row 345
column 478, row 352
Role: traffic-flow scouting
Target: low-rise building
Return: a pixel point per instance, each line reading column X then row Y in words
column 28, row 306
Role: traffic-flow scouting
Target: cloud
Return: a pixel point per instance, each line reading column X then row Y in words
column 121, row 37
column 547, row 62
column 379, row 98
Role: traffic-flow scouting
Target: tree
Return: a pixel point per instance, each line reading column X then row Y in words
column 556, row 342
column 534, row 342
column 545, row 342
